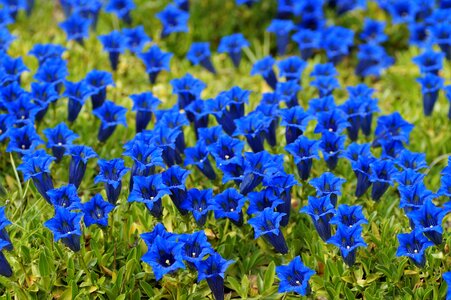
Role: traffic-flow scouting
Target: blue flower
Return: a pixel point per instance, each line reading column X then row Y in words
column 413, row 197
column 362, row 170
column 10, row 93
column 324, row 70
column 111, row 173
column 135, row 38
column 182, row 4
column 110, row 116
column 164, row 256
column 355, row 150
column 59, row 138
column 321, row 210
column 121, row 8
column 199, row 53
column 229, row 204
column 5, row 268
column 6, row 122
column 166, row 138
column 22, row 111
column 174, row 119
column 373, row 31
column 267, row 224
column 294, row 277
column 328, row 185
column 6, row 38
column 65, row 226
column 447, row 278
column 233, row 45
column 43, row 52
column 445, row 187
column 391, row 148
column 89, row 9
column 12, row 69
column 448, row 96
column 173, row 20
column 413, row 245
column 218, row 108
column 198, row 156
column 411, row 160
column 295, row 120
column 264, row 67
column 249, row 4
column 5, row 18
column 187, row 89
column 260, row 200
column 349, row 216
column 441, row 33
column 325, row 85
column 304, row 151
column 149, row 190
column 199, row 203
column 369, row 106
column 372, row 60
column 42, row 94
column 258, row 166
column 23, row 140
column 212, row 269
column 114, row 43
column 96, row 211
column 155, row 61
column 394, row 127
column 348, row 239
column 197, row 112
column 175, row 178
column 98, row 82
column 253, row 127
column 226, row 150
column 288, row 91
column 158, row 231
column 65, row 196
column 77, row 92
column 281, row 28
column 430, row 86
column 291, row 68
column 236, row 99
column 233, row 170
column 79, row 158
column 419, row 35
column 429, row 61
column 53, row 71
column 318, row 105
column 402, row 11
column 354, row 109
column 336, row 41
column 408, row 177
column 195, row 247
column 5, row 241
column 333, row 121
column 209, row 135
column 360, row 91
column 308, row 41
column 428, row 219
column 271, row 111
column 331, row 146
column 144, row 104
column 381, row 176
column 76, row 28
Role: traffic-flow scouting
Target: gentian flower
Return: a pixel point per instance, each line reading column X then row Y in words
column 43, row 52
column 155, row 61
column 89, row 9
column 394, row 127
column 229, row 204
column 182, row 4
column 448, row 96
column 237, row 99
column 121, row 8
column 369, row 106
column 294, row 277
column 5, row 268
column 253, row 127
column 5, row 18
column 174, row 119
column 348, row 239
column 408, row 177
column 6, row 122
column 12, row 69
column 413, row 245
column 212, row 269
column 430, row 86
column 77, row 92
column 98, row 82
column 281, row 28
column 445, row 186
column 325, row 85
column 195, row 247
column 187, row 89
column 333, row 121
column 271, row 111
column 164, row 256
column 381, row 176
column 114, row 43
column 210, row 135
column 402, row 11
column 6, row 38
column 110, row 116
column 264, row 67
column 175, row 178
column 59, row 138
column 442, row 36
column 199, row 203
column 199, row 54
column 419, row 35
column 429, row 62
column 166, row 138
column 53, row 71
column 291, row 68
column 411, row 160
column 79, row 158
column 233, row 45
column 331, row 146
column 349, row 216
column 65, row 196
column 248, row 3
column 42, row 94
column 318, row 105
column 111, row 173
column 337, row 41
column 226, row 150
column 173, row 20
column 362, row 170
column 304, row 151
column 136, row 38
column 428, row 219
column 196, row 110
column 267, row 224
column 360, row 91
column 328, row 185
column 65, row 226
column 324, row 70
column 23, row 111
column 96, row 211
column 10, row 93
column 373, row 31
column 258, row 166
column 391, row 148
column 76, row 28
column 372, row 60
column 218, row 108
column 234, row 170
column 288, row 92
column 23, row 140
column 198, row 156
column 149, row 190
column 413, row 198
column 308, row 41
column 321, row 211
column 144, row 104
column 260, row 200
column 5, row 241
column 158, row 231
column 354, row 109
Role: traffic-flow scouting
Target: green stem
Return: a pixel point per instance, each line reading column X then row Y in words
column 17, row 176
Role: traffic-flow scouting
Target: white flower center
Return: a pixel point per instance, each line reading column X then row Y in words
column 168, row 262
column 415, row 251
column 226, row 156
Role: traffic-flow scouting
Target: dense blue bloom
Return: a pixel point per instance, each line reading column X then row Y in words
column 43, row 52
column 402, row 11
column 360, row 91
column 294, row 277
column 372, row 60
column 164, row 256
column 391, row 148
column 226, row 150
column 336, row 41
column 264, row 67
column 308, row 41
column 22, row 111
column 430, row 86
column 325, row 85
column 199, row 54
column 229, row 204
column 196, row 111
column 267, row 224
column 173, row 20
column 166, row 138
column 23, row 140
column 212, row 269
column 79, row 158
column 354, row 151
column 287, row 91
column 76, row 27
column 254, row 127
column 442, row 36
column 89, row 9
column 155, row 61
column 175, row 178
column 281, row 28
column 11, row 69
column 5, row 18
column 304, row 151
column 411, row 160
column 58, row 139
column 318, row 105
column 65, row 226
column 381, row 176
column 111, row 173
column 428, row 219
column 324, row 70
column 53, row 71
column 328, row 185
column 198, row 156
column 354, row 109
column 5, row 241
column 236, row 98
column 295, row 120
column 110, row 116
column 362, row 170
column 233, row 45
column 334, row 121
column 218, row 107
column 209, row 135
column 65, row 196
column 429, row 62
column 144, row 104
column 349, row 216
column 408, row 177
column 10, row 93
column 158, row 230
column 199, row 203
column 321, row 211
column 373, row 31
column 121, row 8
column 258, row 166
column 96, row 211
column 78, row 93
column 291, row 68
column 260, row 200
column 331, row 146
column 6, row 38
column 413, row 245
column 114, row 43
column 271, row 111
column 98, row 82
column 348, row 239
column 135, row 38
column 394, row 127
column 149, row 190
column 187, row 89
column 195, row 247
column 42, row 94
column 413, row 197
column 174, row 119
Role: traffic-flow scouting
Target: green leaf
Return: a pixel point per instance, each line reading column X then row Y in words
column 44, row 264
column 269, row 276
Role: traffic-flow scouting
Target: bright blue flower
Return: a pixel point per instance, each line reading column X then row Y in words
column 325, row 85
column 212, row 269
column 317, row 105
column 355, row 111
column 413, row 197
column 98, row 82
column 448, row 96
column 321, row 211
column 158, row 231
column 110, row 116
column 267, row 224
column 166, row 138
column 121, row 8
column 42, row 94
column 59, row 139
column 234, row 170
column 381, row 176
column 43, row 52
column 174, row 119
column 343, row 6
column 199, row 54
column 5, row 18
column 308, row 41
column 442, row 36
column 331, row 146
column 328, row 185
column 12, row 69
column 23, row 140
column 282, row 29
column 413, row 245
column 173, row 20
column 164, row 256
column 6, row 38
column 295, row 120
column 144, row 104
column 78, row 93
column 362, row 170
column 271, row 111
column 195, row 247
column 260, row 200
column 197, row 112
column 175, row 178
column 23, row 111
column 233, row 45
column 65, row 196
column 198, row 156
column 10, row 93
column 428, row 219
column 236, row 99
column 226, row 150
column 53, row 71
column 302, row 8
column 445, row 187
column 411, row 160
column 429, row 61
column 294, row 277
column 394, row 127
column 304, row 151
column 373, row 31
column 149, row 190
column 155, row 61
column 402, row 11
column 5, row 241
column 419, row 35
column 199, row 203
column 187, row 89
column 114, row 43
column 369, row 107
column 210, row 135
column 229, row 204
column 258, row 166
column 264, row 67
column 248, row 3
column 111, row 173
column 253, row 127
column 79, row 158
column 373, row 59
column 349, row 216
column 218, row 107
column 324, row 70
column 355, row 150
column 430, row 86
column 408, row 177
column 348, row 239
column 96, row 211
column 391, row 148
column 360, row 91
column 291, row 68
column 65, row 226
column 336, row 41
column 13, row 6
column 89, row 9
column 76, row 28
column 6, row 122
column 136, row 38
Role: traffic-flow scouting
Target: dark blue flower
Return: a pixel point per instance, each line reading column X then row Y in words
column 212, row 269
column 324, row 70
column 43, row 52
column 372, row 60
column 195, row 247
column 430, row 86
column 236, row 99
column 325, row 85
column 248, row 3
column 413, row 245
column 58, row 139
column 226, row 150
column 96, row 211
column 294, row 277
column 22, row 111
column 348, row 239
column 187, row 89
column 5, row 18
column 89, row 9
column 209, row 135
column 10, row 93
column 121, row 8
column 328, row 185
column 258, row 166
column 135, row 38
column 53, row 71
column 411, row 160
column 197, row 112
column 111, row 173
column 218, row 107
column 445, row 186
column 373, row 31
column 65, row 196
column 98, row 82
column 360, row 90
column 308, row 41
column 253, row 127
column 381, row 176
column 413, row 197
column 271, row 111
column 267, row 224
column 428, row 219
column 282, row 29
column 291, row 68
column 333, row 121
column 264, row 67
column 349, row 216
column 65, row 226
column 331, row 146
column 391, row 148
column 198, row 156
column 336, row 41
column 166, row 138
column 362, row 170
column 158, row 231
column 392, row 127
column 149, row 190
column 355, row 150
column 260, row 200
column 6, row 122
column 295, row 120
column 429, row 61
column 173, row 20
column 419, row 35
column 42, row 94
column 78, row 93
column 79, row 158
column 355, row 111
column 110, row 116
column 233, row 45
column 408, row 177
column 175, row 178
column 288, row 92
column 12, row 69
column 174, row 119
column 182, row 4
column 5, row 241
column 441, row 33
column 318, row 105
column 321, row 211
column 144, row 104
column 114, row 43
column 6, row 38
column 76, row 28
column 304, row 151
column 155, row 61
column 23, row 140
column 199, row 203
column 229, row 204
column 369, row 106
column 199, row 54
column 402, row 11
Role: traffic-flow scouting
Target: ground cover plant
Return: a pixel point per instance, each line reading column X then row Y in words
column 261, row 149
